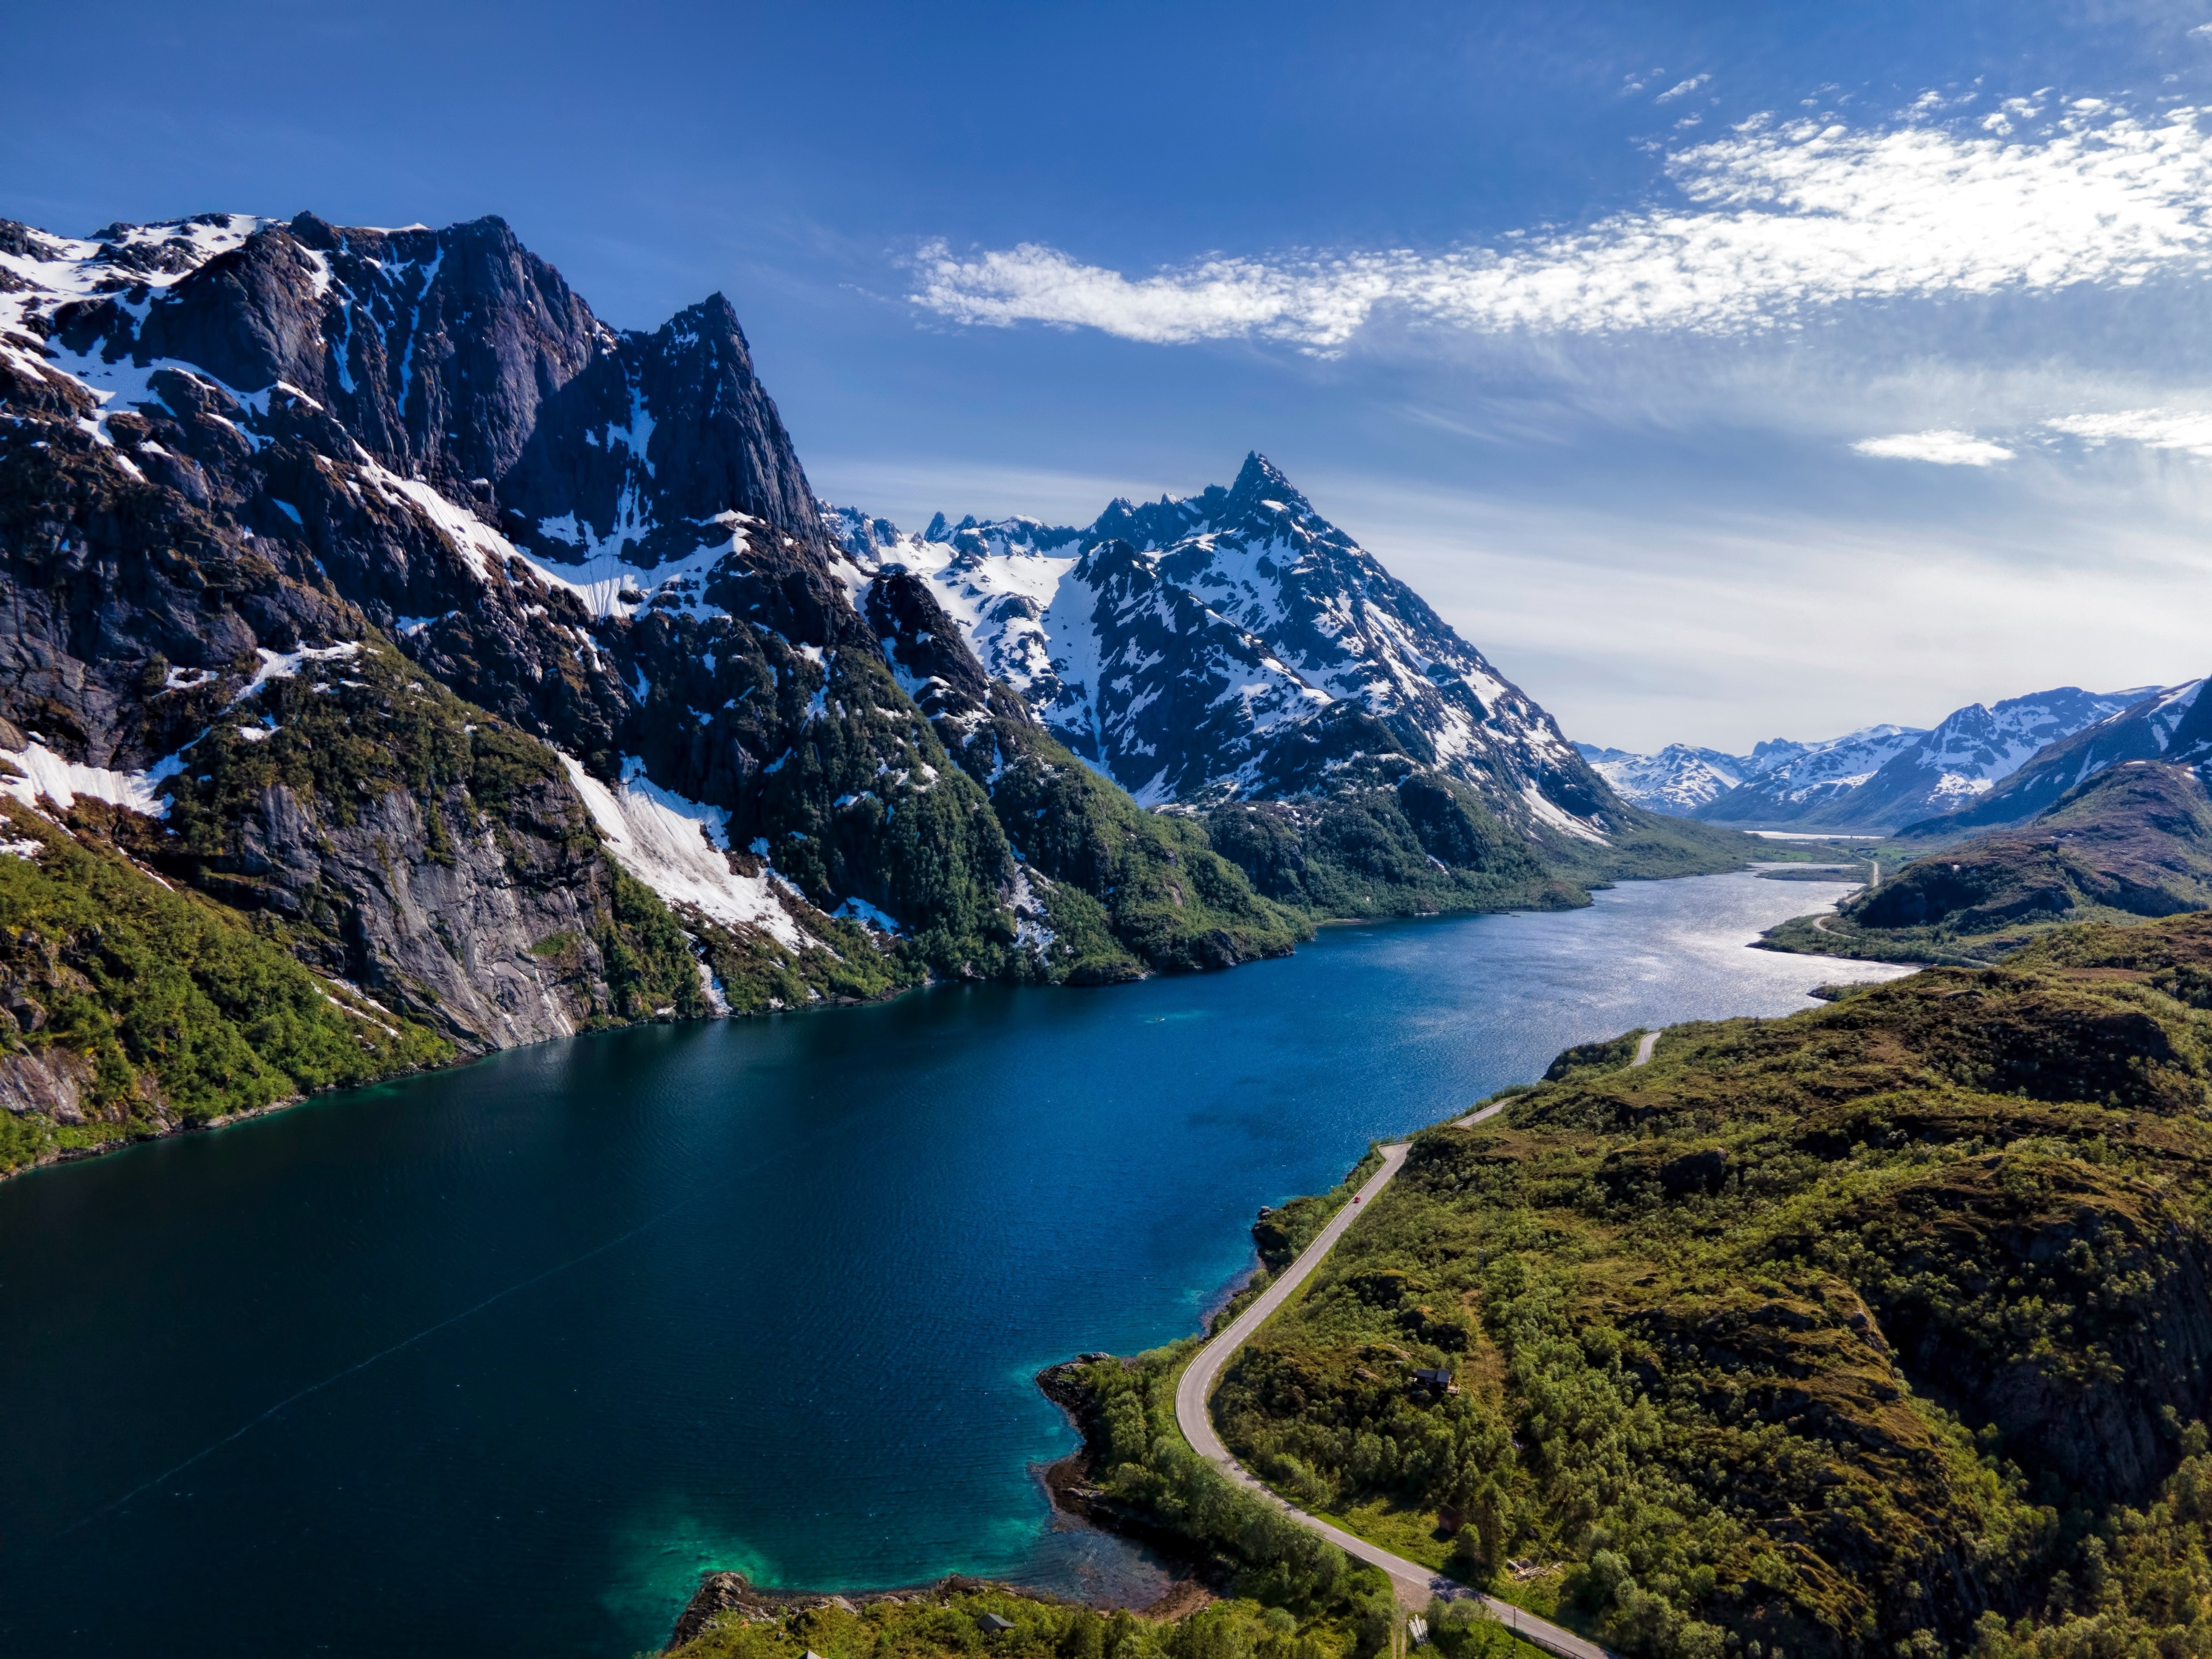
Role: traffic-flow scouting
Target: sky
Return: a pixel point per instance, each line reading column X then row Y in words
column 1723, row 370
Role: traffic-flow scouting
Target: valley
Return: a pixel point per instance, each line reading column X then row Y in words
column 411, row 673
column 1770, row 1339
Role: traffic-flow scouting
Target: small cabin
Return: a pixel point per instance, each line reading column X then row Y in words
column 991, row 1624
column 1435, row 1382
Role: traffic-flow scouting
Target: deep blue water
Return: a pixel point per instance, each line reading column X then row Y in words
column 497, row 1361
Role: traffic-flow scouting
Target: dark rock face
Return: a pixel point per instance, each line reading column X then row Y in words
column 1237, row 646
column 235, row 447
column 2137, row 1285
column 924, row 644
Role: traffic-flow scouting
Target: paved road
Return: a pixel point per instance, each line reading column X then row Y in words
column 1415, row 1584
column 1645, row 1045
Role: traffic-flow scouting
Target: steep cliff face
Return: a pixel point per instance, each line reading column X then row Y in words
column 497, row 663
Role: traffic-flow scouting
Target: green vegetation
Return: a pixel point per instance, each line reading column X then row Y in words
column 1883, row 1327
column 160, row 1008
column 1131, row 890
column 1426, row 847
column 2134, row 840
column 1399, row 842
column 757, row 974
column 1410, row 842
column 944, row 1624
column 870, row 803
column 342, row 735
column 1142, row 1462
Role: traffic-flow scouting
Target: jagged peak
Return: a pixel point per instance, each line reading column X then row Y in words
column 715, row 312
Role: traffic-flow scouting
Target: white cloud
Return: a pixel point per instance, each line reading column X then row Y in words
column 1682, row 88
column 1779, row 222
column 2189, row 429
column 1944, row 448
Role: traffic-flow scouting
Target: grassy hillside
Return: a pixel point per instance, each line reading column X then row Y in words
column 2135, row 840
column 1131, row 891
column 1408, row 843
column 1882, row 1328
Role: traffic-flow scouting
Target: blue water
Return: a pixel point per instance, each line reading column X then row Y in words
column 497, row 1361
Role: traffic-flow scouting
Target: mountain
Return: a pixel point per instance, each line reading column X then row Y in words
column 2133, row 840
column 1868, row 781
column 1240, row 661
column 393, row 642
column 1678, row 779
column 1235, row 646
column 1940, row 771
column 403, row 663
column 2170, row 725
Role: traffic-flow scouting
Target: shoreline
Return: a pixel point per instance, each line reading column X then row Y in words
column 1074, row 1502
column 55, row 1158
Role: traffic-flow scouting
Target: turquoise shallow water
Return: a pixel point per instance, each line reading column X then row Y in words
column 497, row 1361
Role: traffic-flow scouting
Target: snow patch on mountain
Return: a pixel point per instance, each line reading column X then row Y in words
column 42, row 774
column 676, row 847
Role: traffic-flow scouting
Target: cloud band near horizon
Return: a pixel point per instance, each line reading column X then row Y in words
column 1780, row 220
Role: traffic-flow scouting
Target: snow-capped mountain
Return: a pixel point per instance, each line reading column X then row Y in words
column 1234, row 645
column 1868, row 781
column 1812, row 779
column 556, row 704
column 1875, row 780
column 1678, row 779
column 2172, row 724
column 498, row 671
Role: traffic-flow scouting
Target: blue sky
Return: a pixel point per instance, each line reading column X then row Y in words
column 1725, row 371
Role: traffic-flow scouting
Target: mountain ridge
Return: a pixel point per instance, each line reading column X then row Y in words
column 1293, row 619
column 1875, row 780
column 499, row 668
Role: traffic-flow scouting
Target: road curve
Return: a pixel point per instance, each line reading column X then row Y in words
column 1415, row 1584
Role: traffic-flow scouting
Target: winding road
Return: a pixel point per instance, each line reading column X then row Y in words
column 1416, row 1584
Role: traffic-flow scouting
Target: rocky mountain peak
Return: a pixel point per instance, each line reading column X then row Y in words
column 1190, row 648
column 1260, row 483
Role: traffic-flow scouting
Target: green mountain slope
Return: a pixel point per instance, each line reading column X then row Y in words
column 1882, row 1328
column 2134, row 840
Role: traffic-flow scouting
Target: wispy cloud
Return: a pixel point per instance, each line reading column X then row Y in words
column 1779, row 222
column 2189, row 429
column 1682, row 88
column 1942, row 446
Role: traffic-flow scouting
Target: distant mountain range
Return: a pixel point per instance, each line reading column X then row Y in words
column 2172, row 724
column 1880, row 778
